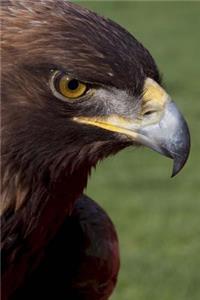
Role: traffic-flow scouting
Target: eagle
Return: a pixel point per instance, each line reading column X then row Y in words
column 76, row 88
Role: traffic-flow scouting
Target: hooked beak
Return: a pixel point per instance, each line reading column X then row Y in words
column 159, row 126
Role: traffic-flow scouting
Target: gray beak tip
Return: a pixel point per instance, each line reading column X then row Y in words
column 182, row 157
column 178, row 164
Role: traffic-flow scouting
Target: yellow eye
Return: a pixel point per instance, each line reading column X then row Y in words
column 71, row 88
column 64, row 86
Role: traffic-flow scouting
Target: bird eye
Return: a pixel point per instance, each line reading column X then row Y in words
column 66, row 86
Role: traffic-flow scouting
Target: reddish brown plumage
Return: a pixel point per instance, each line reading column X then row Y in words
column 46, row 157
column 81, row 262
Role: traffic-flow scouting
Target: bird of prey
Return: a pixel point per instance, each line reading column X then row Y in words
column 76, row 87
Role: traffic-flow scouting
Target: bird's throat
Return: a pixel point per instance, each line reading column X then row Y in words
column 35, row 221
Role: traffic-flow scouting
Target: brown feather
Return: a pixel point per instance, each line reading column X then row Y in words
column 46, row 158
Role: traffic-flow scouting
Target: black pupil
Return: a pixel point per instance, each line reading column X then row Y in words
column 73, row 84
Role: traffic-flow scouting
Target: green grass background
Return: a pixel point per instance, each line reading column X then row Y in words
column 157, row 218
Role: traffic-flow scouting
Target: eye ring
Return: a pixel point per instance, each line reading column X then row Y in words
column 65, row 87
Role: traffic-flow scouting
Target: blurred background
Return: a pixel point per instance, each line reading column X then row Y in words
column 157, row 218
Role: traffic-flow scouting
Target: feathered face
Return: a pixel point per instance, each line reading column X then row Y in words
column 76, row 85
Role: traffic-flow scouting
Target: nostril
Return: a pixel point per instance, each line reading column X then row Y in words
column 149, row 112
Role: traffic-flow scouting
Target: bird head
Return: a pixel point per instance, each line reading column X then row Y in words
column 78, row 87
